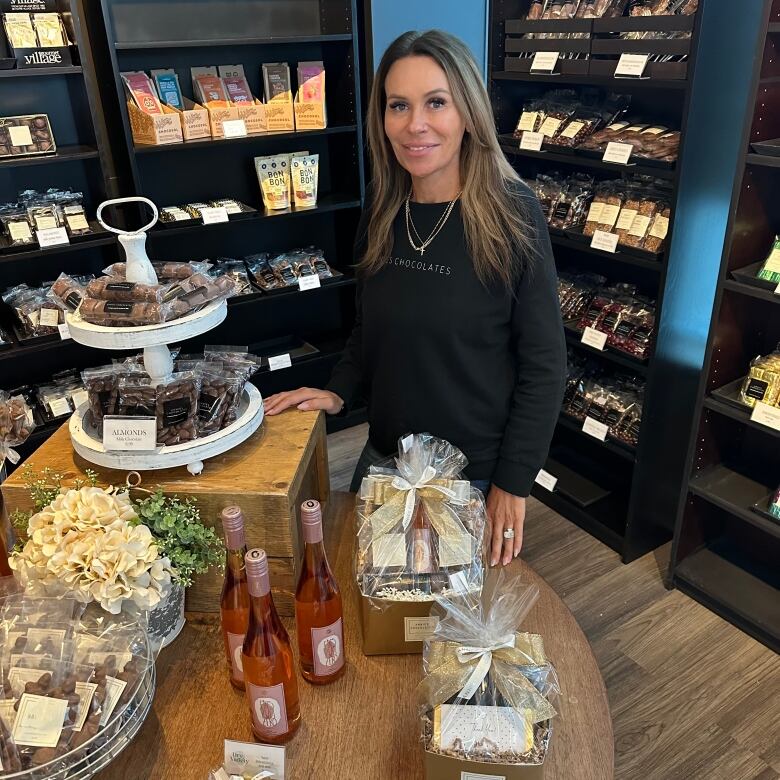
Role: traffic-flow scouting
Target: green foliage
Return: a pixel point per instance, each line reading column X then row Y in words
column 180, row 534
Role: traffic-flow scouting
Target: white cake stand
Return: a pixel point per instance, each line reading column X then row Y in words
column 154, row 340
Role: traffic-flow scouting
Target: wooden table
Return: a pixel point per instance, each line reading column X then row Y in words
column 365, row 726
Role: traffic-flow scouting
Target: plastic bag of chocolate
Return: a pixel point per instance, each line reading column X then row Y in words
column 190, row 294
column 164, row 270
column 177, row 408
column 243, row 364
column 16, row 424
column 136, row 396
column 125, row 314
column 236, row 271
column 102, row 384
column 219, row 386
column 419, row 524
column 10, row 760
column 262, row 273
column 489, row 692
column 16, row 227
column 67, row 292
column 114, row 288
column 763, row 381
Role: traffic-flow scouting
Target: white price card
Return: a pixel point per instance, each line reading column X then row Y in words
column 275, row 362
column 766, row 415
column 129, row 434
column 777, row 290
column 618, row 153
column 49, row 318
column 632, row 65
column 52, row 237
column 234, row 128
column 20, row 135
column 544, row 61
column 606, row 242
column 546, row 480
column 80, row 397
column 59, row 407
column 248, row 759
column 531, row 141
column 595, row 428
column 309, row 282
column 594, row 338
column 214, row 214
column 39, row 720
column 64, row 331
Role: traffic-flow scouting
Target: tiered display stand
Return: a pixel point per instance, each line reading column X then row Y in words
column 154, row 340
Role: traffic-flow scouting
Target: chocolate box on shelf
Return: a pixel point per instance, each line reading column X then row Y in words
column 22, row 136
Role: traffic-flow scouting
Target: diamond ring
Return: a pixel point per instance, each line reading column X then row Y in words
column 509, row 533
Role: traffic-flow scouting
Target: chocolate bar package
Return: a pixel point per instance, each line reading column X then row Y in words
column 236, row 85
column 141, row 90
column 49, row 29
column 209, row 88
column 26, row 135
column 276, row 82
column 167, row 84
column 20, row 31
column 311, row 82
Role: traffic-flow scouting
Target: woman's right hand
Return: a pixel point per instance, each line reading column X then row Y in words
column 306, row 399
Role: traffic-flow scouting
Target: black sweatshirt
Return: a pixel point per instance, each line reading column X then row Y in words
column 433, row 350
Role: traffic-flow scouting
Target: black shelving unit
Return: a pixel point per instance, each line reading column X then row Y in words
column 726, row 550
column 637, row 489
column 83, row 162
column 179, row 35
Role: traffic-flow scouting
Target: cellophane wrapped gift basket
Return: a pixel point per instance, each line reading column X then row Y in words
column 487, row 699
column 419, row 534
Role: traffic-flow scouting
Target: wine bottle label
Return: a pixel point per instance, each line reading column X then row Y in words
column 269, row 711
column 236, row 642
column 328, row 648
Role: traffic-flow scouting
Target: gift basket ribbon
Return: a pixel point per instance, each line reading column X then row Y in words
column 8, row 453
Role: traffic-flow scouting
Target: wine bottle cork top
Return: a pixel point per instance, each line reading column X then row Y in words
column 257, row 576
column 232, row 518
column 311, row 512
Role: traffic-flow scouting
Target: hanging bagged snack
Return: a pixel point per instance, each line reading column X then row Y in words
column 419, row 533
column 305, row 178
column 273, row 174
column 141, row 91
column 487, row 699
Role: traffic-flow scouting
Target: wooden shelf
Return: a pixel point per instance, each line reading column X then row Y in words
column 17, row 73
column 63, row 154
column 208, row 43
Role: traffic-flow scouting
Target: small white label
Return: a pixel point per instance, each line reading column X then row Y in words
column 122, row 434
column 80, row 397
column 56, row 236
column 544, row 61
column 20, row 135
column 19, row 231
column 766, row 415
column 546, row 480
column 39, row 720
column 114, row 690
column 49, row 318
column 606, row 242
column 279, row 361
column 416, row 629
column 550, row 126
column 478, row 776
column 64, row 331
column 618, row 153
column 572, row 129
column 527, row 120
column 248, row 759
column 631, row 64
column 309, row 282
column 459, row 583
column 626, row 219
column 777, row 290
column 59, row 407
column 594, row 212
column 45, row 222
column 532, row 141
column 77, row 222
column 214, row 214
column 234, row 128
column 7, row 712
column 594, row 338
column 595, row 428
column 86, row 691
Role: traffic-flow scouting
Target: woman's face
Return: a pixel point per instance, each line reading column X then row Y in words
column 422, row 123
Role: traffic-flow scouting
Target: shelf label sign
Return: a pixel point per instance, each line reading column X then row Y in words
column 234, row 128
column 52, row 237
column 129, row 434
column 279, row 361
column 309, row 282
column 544, row 61
column 618, row 153
column 213, row 215
column 766, row 415
column 606, row 242
column 594, row 338
column 546, row 480
column 595, row 428
column 248, row 759
column 632, row 65
column 64, row 331
column 531, row 141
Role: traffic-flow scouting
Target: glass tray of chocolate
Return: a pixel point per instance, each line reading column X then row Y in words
column 22, row 136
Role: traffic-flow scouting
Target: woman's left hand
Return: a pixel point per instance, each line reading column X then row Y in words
column 505, row 511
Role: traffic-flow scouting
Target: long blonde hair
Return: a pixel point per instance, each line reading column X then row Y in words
column 495, row 221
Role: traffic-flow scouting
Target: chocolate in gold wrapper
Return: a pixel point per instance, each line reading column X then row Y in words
column 20, row 31
column 49, row 30
column 763, row 381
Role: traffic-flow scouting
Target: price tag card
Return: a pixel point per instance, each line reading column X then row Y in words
column 39, row 720
column 249, row 759
column 52, row 237
column 279, row 361
column 49, row 318
column 595, row 428
column 766, row 415
column 777, row 290
column 64, row 331
column 594, row 338
column 20, row 135
column 129, row 434
column 546, row 480
column 532, row 141
column 309, row 282
column 544, row 61
column 234, row 128
column 212, row 215
column 80, row 397
column 59, row 407
column 618, row 153
column 606, row 242
column 632, row 65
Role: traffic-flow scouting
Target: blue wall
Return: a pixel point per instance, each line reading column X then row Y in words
column 465, row 18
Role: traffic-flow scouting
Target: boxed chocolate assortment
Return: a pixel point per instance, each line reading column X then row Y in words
column 419, row 533
column 488, row 696
column 23, row 136
column 37, row 35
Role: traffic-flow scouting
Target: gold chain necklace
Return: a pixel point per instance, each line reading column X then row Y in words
column 436, row 230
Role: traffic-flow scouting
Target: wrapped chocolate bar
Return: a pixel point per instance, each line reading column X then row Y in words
column 488, row 696
column 419, row 533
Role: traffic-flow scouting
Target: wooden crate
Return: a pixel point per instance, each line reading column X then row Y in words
column 268, row 476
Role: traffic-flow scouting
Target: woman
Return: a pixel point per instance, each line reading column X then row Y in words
column 458, row 329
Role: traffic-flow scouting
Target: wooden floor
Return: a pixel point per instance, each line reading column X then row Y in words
column 692, row 697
